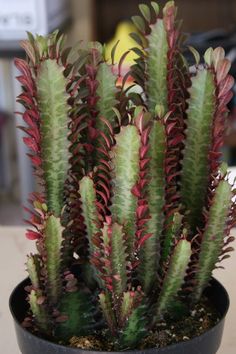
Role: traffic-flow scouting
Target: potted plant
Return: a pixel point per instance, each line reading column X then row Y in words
column 134, row 209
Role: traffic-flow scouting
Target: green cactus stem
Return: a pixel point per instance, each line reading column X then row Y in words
column 162, row 73
column 125, row 159
column 106, row 305
column 106, row 92
column 33, row 269
column 91, row 221
column 40, row 314
column 174, row 278
column 135, row 329
column 89, row 209
column 118, row 258
column 195, row 173
column 53, row 107
column 150, row 252
column 110, row 258
column 53, row 243
column 213, row 236
column 157, row 89
column 36, row 296
column 77, row 313
column 172, row 232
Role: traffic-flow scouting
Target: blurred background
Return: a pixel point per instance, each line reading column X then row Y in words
column 208, row 22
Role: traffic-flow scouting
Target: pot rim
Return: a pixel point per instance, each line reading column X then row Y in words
column 213, row 282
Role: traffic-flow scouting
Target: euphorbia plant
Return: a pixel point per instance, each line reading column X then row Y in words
column 135, row 210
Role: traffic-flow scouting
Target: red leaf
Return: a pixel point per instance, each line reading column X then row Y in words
column 31, row 143
column 104, row 197
column 32, row 235
column 26, row 99
column 62, row 318
column 143, row 239
column 92, row 101
column 143, row 151
column 142, row 210
column 170, row 127
column 226, row 85
column 223, row 69
column 28, row 120
column 22, row 66
column 91, row 71
column 117, row 277
column 145, row 136
column 36, row 160
column 136, row 191
column 93, row 133
column 143, row 163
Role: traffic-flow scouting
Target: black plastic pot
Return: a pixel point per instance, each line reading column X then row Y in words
column 207, row 343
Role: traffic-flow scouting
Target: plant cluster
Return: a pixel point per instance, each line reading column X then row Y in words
column 134, row 208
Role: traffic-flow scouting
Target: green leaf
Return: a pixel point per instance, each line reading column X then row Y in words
column 53, row 107
column 125, row 159
column 174, row 277
column 195, row 172
column 213, row 236
column 78, row 309
column 113, row 52
column 96, row 45
column 39, row 313
column 76, row 51
column 137, row 38
column 167, row 6
column 208, row 56
column 42, row 45
column 150, row 252
column 156, row 7
column 30, row 37
column 139, row 23
column 145, row 10
column 157, row 62
column 160, row 111
column 78, row 59
column 195, row 54
column 223, row 169
column 53, row 243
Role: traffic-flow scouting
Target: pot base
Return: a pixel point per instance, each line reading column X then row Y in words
column 207, row 343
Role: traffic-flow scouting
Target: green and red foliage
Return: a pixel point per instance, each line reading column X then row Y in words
column 136, row 209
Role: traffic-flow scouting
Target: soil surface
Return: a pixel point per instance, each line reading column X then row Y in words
column 201, row 318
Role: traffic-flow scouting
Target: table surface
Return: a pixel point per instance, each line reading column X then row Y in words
column 13, row 250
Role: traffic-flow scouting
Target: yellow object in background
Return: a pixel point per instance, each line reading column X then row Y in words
column 125, row 44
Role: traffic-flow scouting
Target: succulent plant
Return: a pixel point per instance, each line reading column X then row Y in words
column 135, row 209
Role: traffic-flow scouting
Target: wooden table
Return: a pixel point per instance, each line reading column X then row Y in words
column 13, row 250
